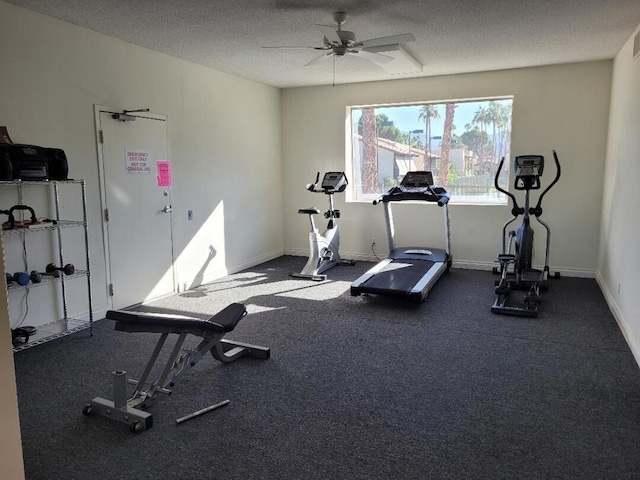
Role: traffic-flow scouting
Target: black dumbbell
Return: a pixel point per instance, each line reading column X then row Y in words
column 35, row 276
column 20, row 336
column 68, row 269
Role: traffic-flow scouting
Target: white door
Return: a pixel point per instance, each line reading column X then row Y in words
column 137, row 220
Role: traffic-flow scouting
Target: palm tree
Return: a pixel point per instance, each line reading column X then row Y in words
column 446, row 142
column 504, row 124
column 494, row 114
column 481, row 117
column 369, row 163
column 427, row 112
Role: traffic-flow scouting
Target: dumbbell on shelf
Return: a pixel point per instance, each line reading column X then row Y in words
column 68, row 269
column 36, row 276
column 21, row 278
column 20, row 335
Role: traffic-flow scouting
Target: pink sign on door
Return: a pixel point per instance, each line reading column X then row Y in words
column 164, row 173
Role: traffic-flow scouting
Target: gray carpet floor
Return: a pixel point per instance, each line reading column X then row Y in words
column 356, row 388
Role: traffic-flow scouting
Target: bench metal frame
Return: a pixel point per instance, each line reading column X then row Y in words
column 131, row 410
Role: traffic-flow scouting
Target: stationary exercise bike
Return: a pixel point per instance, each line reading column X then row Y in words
column 516, row 260
column 323, row 249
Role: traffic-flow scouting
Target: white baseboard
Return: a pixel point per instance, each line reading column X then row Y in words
column 99, row 314
column 564, row 272
column 256, row 261
column 472, row 265
column 348, row 256
column 223, row 272
column 632, row 341
column 464, row 264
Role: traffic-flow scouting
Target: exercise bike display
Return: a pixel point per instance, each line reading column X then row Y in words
column 516, row 260
column 323, row 248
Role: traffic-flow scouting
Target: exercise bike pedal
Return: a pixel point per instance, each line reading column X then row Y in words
column 506, row 258
column 327, row 255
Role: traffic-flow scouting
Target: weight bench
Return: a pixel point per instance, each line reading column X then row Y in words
column 131, row 410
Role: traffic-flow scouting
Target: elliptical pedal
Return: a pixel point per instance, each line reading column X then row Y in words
column 532, row 275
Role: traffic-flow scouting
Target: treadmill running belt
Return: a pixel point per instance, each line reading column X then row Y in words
column 397, row 278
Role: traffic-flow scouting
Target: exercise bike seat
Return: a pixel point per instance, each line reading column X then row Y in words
column 309, row 211
column 223, row 321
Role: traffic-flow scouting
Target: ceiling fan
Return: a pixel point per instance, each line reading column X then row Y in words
column 338, row 43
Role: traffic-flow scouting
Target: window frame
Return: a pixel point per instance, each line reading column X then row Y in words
column 488, row 162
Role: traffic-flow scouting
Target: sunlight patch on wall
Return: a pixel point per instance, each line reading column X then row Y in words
column 203, row 258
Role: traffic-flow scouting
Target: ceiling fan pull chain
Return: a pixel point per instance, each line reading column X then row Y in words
column 334, row 71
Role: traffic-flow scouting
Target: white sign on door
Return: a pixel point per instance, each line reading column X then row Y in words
column 137, row 161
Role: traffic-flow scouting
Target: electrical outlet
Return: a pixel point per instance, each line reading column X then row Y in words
column 190, row 215
column 373, row 240
column 618, row 288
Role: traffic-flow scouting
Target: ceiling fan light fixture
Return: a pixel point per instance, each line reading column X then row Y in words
column 339, row 18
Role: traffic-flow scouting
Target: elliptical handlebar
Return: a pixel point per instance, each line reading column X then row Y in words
column 538, row 208
column 500, row 189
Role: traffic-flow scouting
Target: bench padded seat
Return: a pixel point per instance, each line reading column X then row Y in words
column 223, row 321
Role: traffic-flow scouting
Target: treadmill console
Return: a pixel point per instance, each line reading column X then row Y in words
column 333, row 182
column 417, row 180
column 416, row 186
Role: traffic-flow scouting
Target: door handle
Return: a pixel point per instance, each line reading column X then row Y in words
column 166, row 209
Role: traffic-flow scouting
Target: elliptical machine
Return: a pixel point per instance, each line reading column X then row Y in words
column 516, row 260
column 323, row 249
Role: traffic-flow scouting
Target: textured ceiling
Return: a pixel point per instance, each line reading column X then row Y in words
column 453, row 36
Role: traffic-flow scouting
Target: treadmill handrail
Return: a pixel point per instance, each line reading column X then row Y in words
column 397, row 194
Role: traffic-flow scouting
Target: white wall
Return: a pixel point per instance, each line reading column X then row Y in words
column 619, row 259
column 225, row 139
column 224, row 136
column 225, row 144
column 563, row 107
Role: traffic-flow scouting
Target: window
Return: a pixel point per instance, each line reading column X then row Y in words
column 461, row 142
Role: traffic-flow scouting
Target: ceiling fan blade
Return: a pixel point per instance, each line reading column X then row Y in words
column 318, row 59
column 393, row 39
column 372, row 56
column 306, row 48
column 330, row 34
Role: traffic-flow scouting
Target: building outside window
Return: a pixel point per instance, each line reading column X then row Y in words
column 460, row 142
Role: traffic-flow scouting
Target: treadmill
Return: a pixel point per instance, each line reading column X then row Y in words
column 408, row 272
